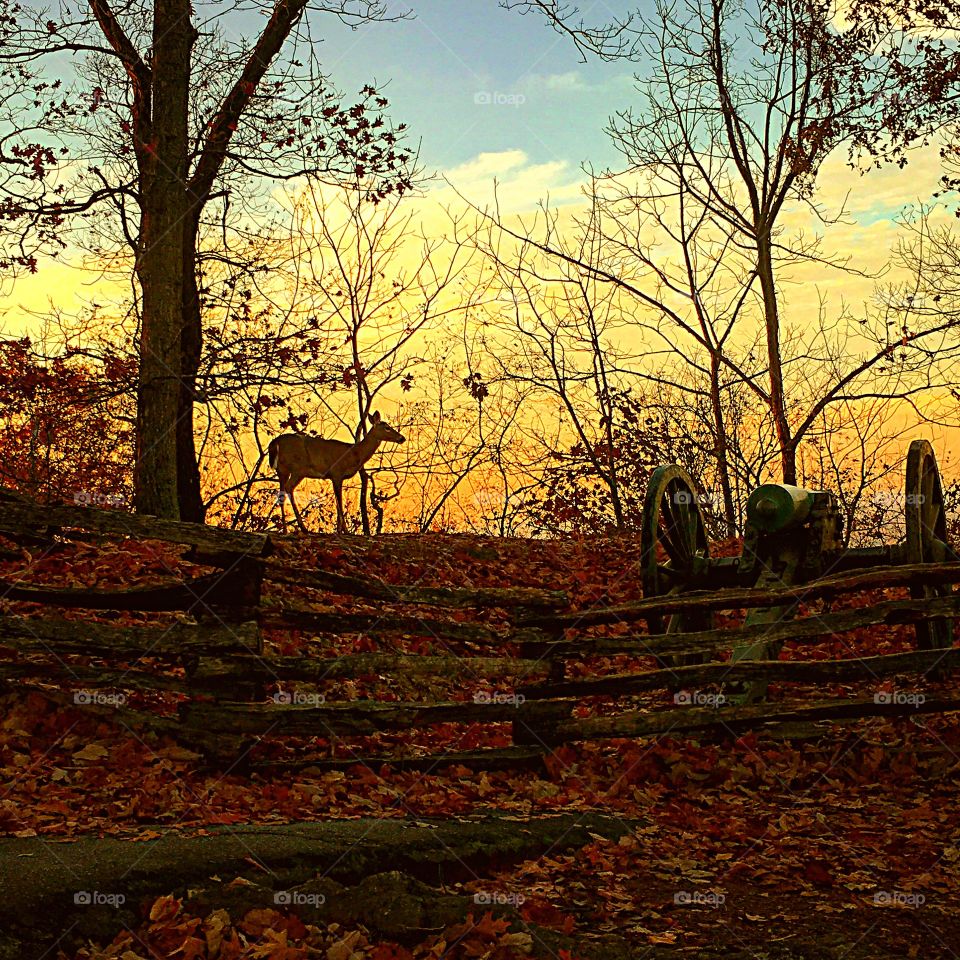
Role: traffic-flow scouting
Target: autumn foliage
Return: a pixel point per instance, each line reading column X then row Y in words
column 64, row 435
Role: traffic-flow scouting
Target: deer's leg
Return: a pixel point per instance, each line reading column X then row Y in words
column 291, row 486
column 338, row 495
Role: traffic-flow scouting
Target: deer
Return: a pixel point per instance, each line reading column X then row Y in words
column 295, row 456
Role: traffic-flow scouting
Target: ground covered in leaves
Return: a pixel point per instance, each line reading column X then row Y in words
column 844, row 839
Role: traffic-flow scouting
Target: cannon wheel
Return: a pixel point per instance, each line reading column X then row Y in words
column 673, row 525
column 926, row 536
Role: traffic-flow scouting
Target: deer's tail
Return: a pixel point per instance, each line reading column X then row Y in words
column 272, row 451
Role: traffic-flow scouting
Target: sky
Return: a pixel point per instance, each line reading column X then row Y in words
column 486, row 93
column 493, row 95
column 471, row 78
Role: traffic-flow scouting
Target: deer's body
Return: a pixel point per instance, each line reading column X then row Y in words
column 295, row 457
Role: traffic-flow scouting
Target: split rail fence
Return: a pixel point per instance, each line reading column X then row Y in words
column 224, row 689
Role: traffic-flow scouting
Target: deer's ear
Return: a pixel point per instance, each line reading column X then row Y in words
column 375, row 417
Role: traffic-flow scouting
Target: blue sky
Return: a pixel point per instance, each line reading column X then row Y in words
column 487, row 93
column 471, row 77
column 496, row 96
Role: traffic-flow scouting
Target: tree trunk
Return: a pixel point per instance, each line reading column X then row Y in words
column 188, row 471
column 375, row 504
column 771, row 319
column 613, row 481
column 610, row 475
column 719, row 426
column 160, row 262
column 364, row 505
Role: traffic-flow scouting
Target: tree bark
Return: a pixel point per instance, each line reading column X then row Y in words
column 237, row 668
column 364, row 504
column 231, row 595
column 189, row 493
column 295, row 615
column 160, row 261
column 184, row 484
column 370, row 588
column 91, row 638
column 771, row 320
column 710, row 642
column 697, row 676
column 547, row 730
column 722, row 445
column 353, row 718
column 213, row 546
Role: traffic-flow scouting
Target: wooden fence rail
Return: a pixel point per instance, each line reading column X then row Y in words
column 212, row 545
column 814, row 626
column 875, row 578
column 231, row 689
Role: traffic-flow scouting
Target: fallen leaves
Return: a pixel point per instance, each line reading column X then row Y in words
column 266, row 934
column 91, row 753
column 822, row 822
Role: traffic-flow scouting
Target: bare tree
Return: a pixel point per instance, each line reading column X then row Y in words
column 370, row 301
column 383, row 283
column 561, row 331
column 742, row 103
column 738, row 140
column 176, row 125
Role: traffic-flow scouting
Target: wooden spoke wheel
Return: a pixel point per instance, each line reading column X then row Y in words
column 927, row 536
column 673, row 550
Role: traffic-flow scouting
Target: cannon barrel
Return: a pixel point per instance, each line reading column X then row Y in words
column 777, row 506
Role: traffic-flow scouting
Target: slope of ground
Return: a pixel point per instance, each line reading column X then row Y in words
column 841, row 842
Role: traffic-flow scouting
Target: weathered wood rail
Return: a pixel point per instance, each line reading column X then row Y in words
column 228, row 688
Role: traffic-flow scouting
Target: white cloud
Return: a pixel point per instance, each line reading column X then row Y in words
column 486, row 165
column 571, row 82
column 513, row 180
column 881, row 192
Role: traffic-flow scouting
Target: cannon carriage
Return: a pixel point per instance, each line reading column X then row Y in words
column 792, row 536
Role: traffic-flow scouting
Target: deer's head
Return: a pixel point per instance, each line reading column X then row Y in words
column 382, row 430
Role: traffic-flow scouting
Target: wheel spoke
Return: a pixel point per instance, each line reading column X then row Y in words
column 686, row 525
column 686, row 520
column 674, row 552
column 928, row 508
column 666, row 507
column 671, row 542
column 672, row 520
column 928, row 520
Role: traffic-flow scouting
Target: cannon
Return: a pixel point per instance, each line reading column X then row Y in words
column 791, row 536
